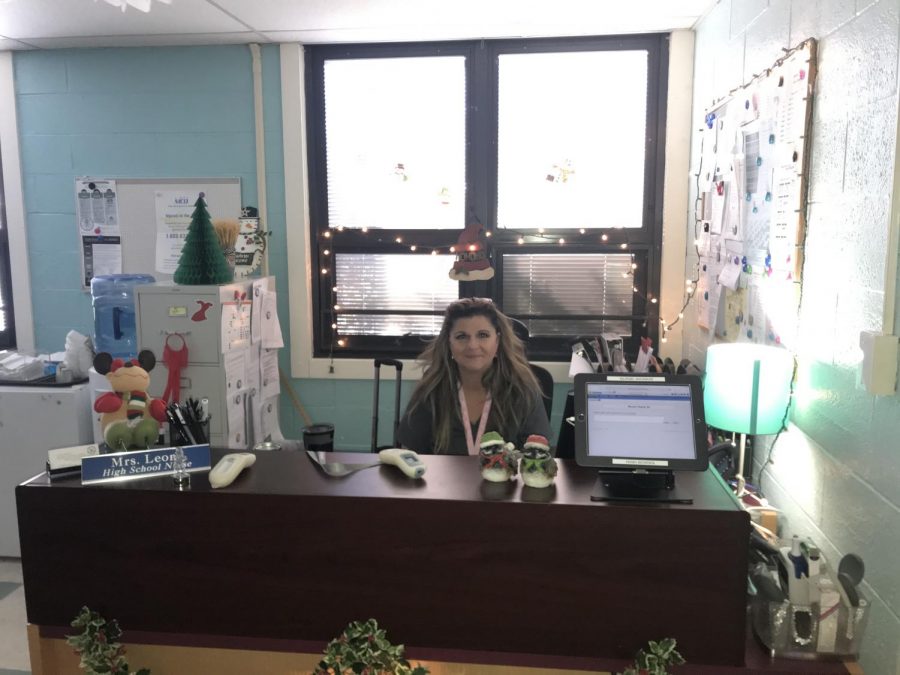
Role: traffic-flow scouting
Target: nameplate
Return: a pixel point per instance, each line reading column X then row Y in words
column 119, row 466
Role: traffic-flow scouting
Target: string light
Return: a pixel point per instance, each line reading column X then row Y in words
column 521, row 239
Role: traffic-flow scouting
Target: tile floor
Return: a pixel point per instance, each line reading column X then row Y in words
column 13, row 639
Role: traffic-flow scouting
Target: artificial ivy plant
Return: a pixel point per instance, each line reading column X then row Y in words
column 363, row 649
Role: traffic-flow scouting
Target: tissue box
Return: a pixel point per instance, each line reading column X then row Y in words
column 827, row 630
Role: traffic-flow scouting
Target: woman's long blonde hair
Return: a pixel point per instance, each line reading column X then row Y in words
column 512, row 385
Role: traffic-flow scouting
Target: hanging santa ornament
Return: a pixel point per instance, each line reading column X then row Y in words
column 471, row 263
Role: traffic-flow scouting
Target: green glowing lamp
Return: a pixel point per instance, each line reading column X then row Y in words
column 746, row 390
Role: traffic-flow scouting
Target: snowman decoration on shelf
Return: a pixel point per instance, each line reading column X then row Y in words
column 250, row 245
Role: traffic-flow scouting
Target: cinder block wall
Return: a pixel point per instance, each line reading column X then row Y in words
column 836, row 472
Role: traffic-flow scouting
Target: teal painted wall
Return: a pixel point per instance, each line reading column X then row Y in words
column 158, row 113
column 835, row 474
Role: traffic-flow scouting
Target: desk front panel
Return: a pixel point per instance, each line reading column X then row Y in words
column 448, row 563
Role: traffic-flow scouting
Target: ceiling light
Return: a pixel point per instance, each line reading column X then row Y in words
column 142, row 5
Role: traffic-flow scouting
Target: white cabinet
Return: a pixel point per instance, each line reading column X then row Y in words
column 34, row 420
column 167, row 311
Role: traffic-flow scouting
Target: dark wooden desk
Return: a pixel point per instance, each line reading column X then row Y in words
column 448, row 563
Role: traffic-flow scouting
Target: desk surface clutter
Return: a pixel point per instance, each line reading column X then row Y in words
column 451, row 565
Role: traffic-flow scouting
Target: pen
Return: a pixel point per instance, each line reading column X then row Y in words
column 174, row 426
column 186, row 432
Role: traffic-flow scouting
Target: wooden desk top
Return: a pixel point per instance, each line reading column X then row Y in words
column 448, row 478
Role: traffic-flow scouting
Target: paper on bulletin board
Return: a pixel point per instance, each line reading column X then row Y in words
column 731, row 227
column 173, row 217
column 253, row 364
column 732, row 314
column 235, row 325
column 235, row 391
column 730, row 275
column 708, row 293
column 269, row 373
column 99, row 256
column 259, row 286
column 753, row 328
column 271, row 328
column 717, row 207
column 97, row 207
column 97, row 215
column 254, row 393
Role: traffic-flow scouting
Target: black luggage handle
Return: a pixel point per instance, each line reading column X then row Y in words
column 399, row 367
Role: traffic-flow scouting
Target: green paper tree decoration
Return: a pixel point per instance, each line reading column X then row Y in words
column 202, row 260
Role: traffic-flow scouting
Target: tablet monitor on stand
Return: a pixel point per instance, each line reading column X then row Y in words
column 637, row 430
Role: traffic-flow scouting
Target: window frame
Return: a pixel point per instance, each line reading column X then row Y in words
column 7, row 334
column 481, row 188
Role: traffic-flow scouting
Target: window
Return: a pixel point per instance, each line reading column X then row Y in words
column 7, row 320
column 553, row 146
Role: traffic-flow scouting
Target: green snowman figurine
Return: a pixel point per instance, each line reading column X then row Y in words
column 499, row 459
column 538, row 466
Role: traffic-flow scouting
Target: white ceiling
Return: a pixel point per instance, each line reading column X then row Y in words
column 53, row 24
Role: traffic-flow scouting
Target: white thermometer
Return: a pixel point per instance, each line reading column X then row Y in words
column 405, row 460
column 228, row 468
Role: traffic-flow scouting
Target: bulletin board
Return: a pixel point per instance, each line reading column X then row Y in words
column 138, row 212
column 751, row 203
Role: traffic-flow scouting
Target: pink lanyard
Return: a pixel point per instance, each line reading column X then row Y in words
column 473, row 444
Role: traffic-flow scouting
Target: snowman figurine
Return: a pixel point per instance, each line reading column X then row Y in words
column 538, row 466
column 499, row 459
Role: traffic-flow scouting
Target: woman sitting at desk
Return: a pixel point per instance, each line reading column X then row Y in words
column 476, row 379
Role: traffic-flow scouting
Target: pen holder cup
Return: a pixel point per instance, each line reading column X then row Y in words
column 176, row 438
column 811, row 632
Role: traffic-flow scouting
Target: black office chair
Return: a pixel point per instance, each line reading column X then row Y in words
column 544, row 378
column 565, row 439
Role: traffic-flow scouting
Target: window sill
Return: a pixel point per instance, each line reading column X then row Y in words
column 363, row 369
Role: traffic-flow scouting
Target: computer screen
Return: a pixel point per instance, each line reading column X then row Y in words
column 640, row 422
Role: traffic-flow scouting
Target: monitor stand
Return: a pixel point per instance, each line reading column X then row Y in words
column 637, row 486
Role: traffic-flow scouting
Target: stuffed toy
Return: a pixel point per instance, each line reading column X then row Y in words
column 129, row 417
